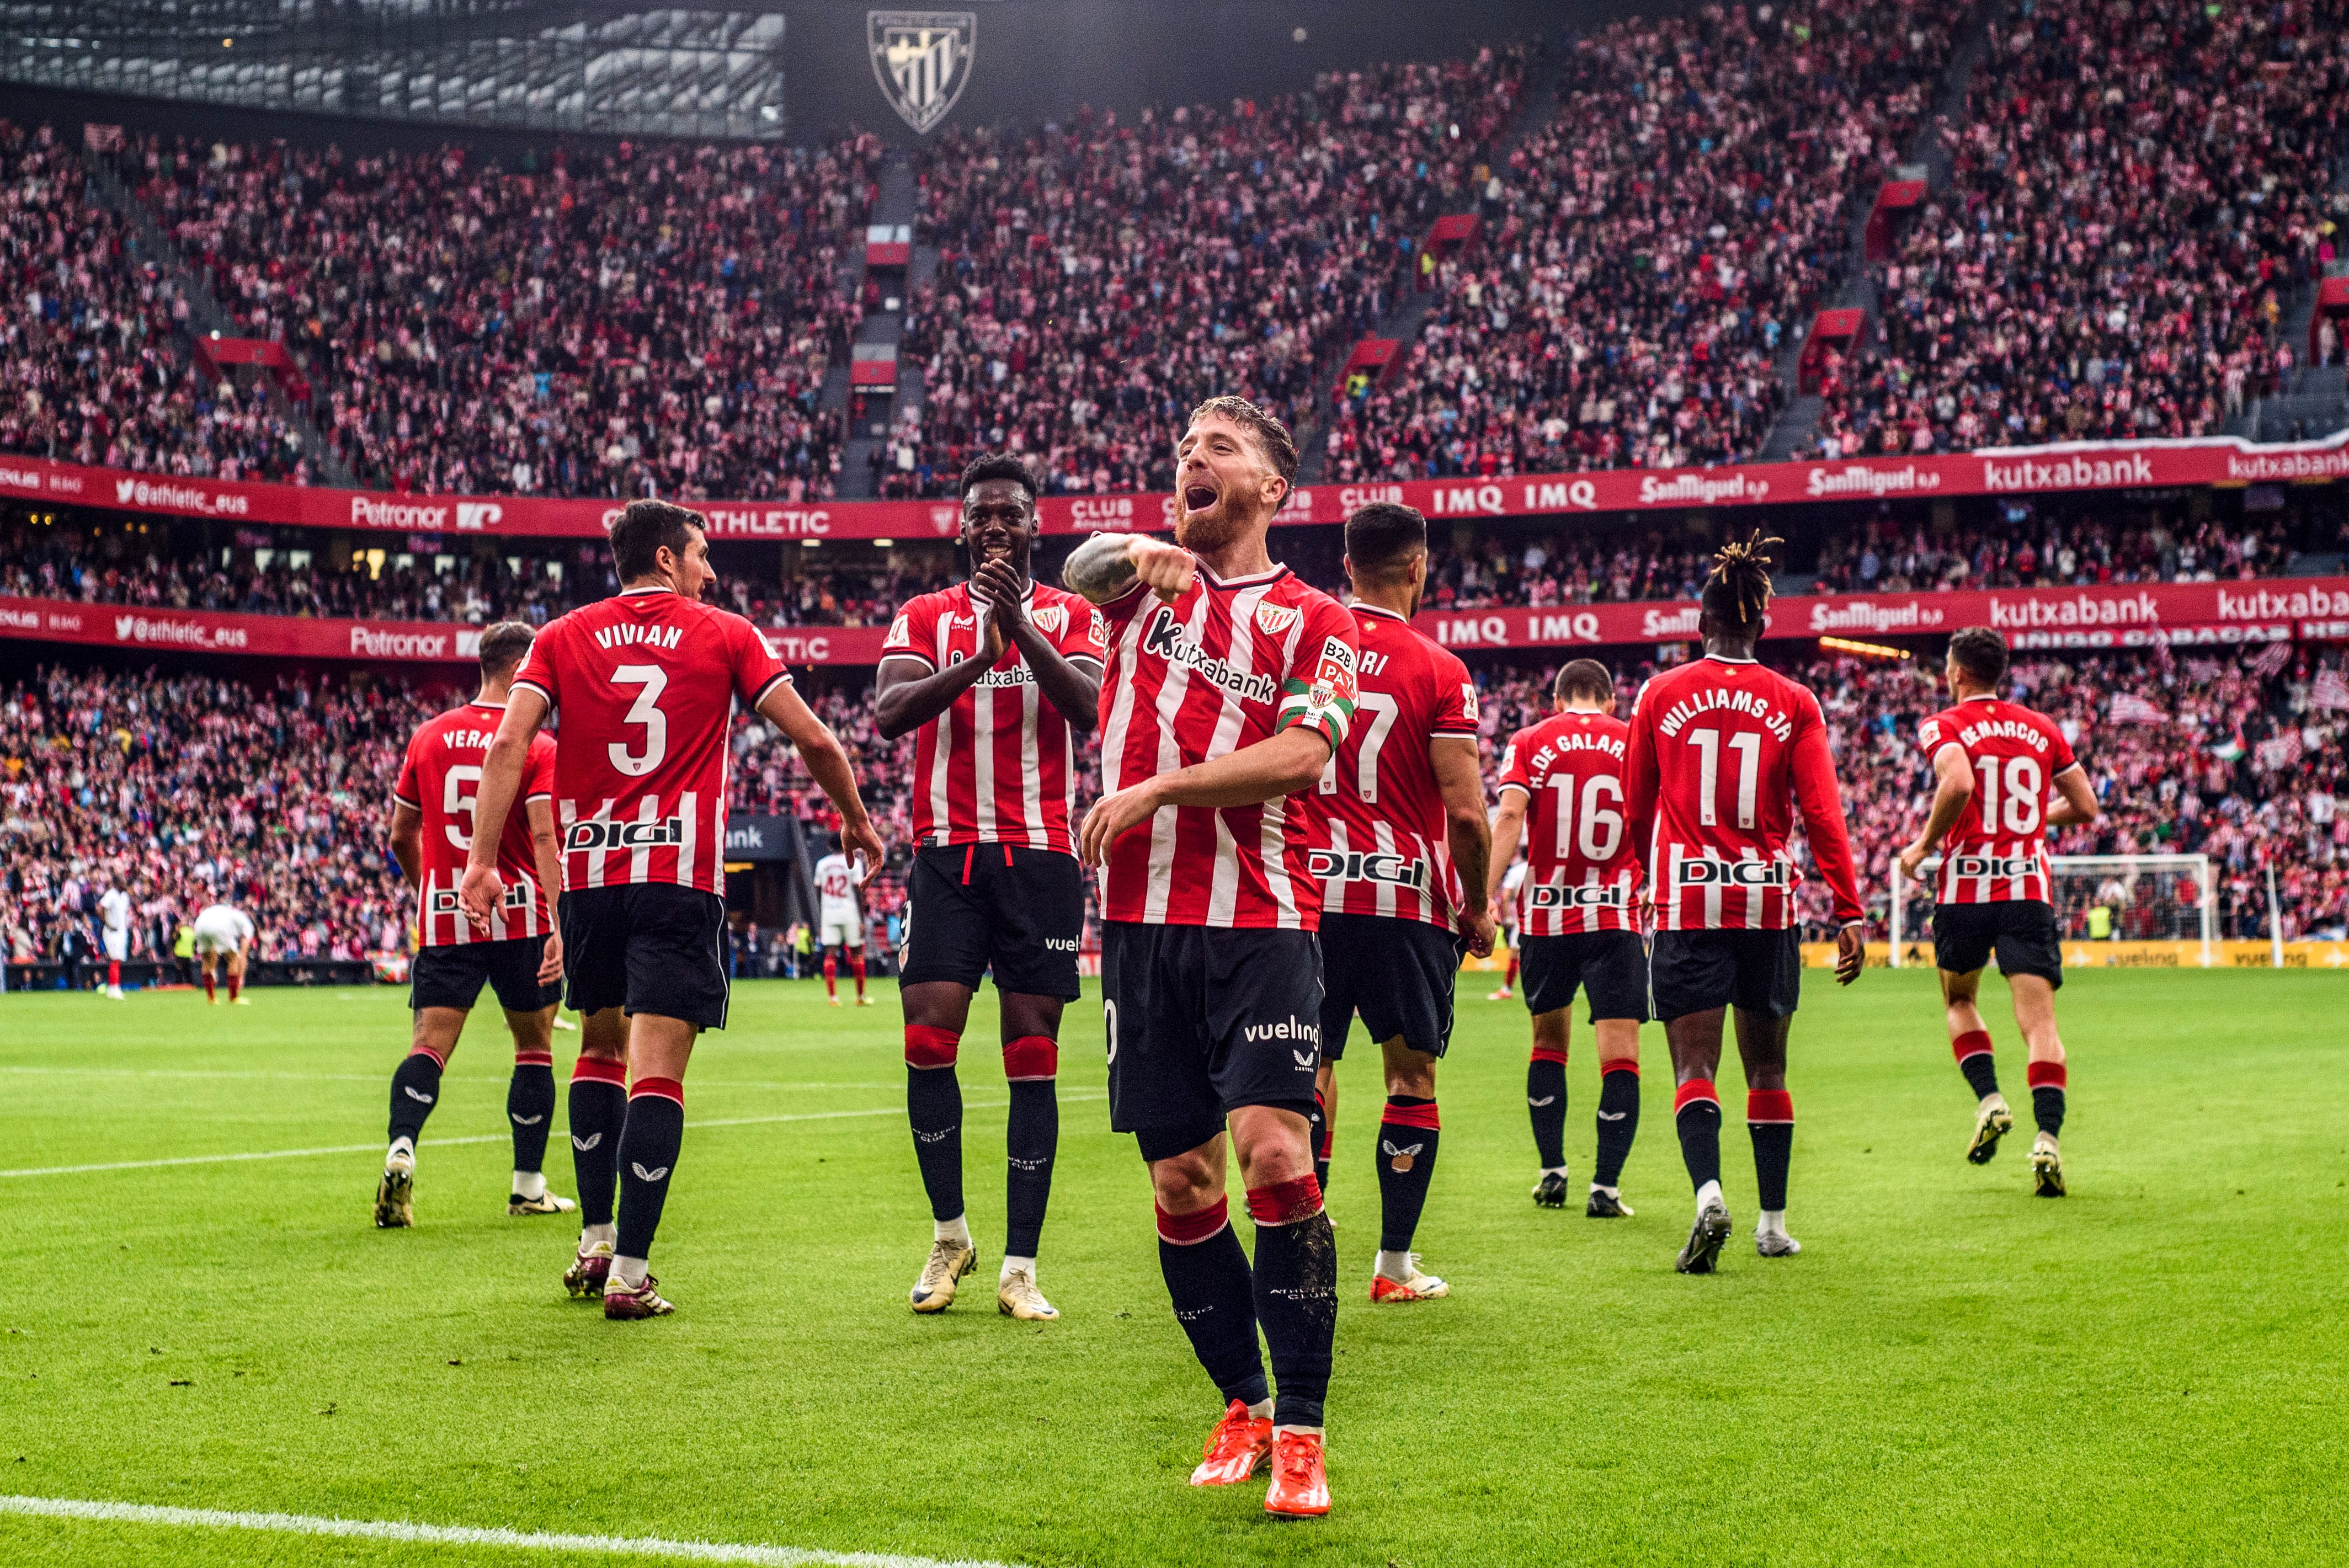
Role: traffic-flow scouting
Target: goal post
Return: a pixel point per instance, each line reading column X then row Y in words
column 2149, row 898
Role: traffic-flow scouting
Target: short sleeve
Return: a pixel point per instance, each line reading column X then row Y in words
column 1932, row 735
column 2061, row 756
column 1318, row 688
column 904, row 642
column 1513, row 764
column 1455, row 700
column 757, row 671
column 407, row 791
column 537, row 671
column 538, row 770
column 1086, row 635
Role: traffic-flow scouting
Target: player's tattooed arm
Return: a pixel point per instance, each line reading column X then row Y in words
column 1105, row 566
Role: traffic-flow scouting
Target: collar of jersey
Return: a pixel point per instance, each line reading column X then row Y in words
column 1980, row 696
column 1726, row 659
column 477, row 702
column 1273, row 573
column 1024, row 598
column 652, row 588
column 1367, row 609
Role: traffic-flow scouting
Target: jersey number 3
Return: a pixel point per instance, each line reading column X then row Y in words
column 644, row 710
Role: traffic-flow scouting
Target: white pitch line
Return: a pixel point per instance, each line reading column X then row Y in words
column 465, row 1535
column 715, row 1083
column 451, row 1142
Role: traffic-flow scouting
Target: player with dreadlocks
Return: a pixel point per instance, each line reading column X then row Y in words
column 1724, row 753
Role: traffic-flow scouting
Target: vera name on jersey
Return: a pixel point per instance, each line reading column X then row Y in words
column 624, row 633
column 1358, row 865
column 1163, row 638
column 1715, row 699
column 468, row 739
column 1703, row 872
column 595, row 834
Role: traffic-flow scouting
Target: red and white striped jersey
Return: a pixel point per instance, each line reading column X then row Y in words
column 1997, row 849
column 1582, row 868
column 1723, row 753
column 998, row 767
column 439, row 777
column 1381, row 845
column 1228, row 664
column 646, row 683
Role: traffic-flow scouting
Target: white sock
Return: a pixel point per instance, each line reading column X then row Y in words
column 1710, row 1194
column 589, row 1236
column 1260, row 1411
column 529, row 1183
column 1395, row 1267
column 1611, row 1192
column 1557, row 1171
column 954, row 1230
column 1012, row 1266
column 401, row 1152
column 1277, row 1431
column 1772, row 1223
column 630, row 1271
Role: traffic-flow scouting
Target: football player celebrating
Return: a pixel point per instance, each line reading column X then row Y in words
column 1578, row 908
column 1229, row 684
column 646, row 681
column 1722, row 754
column 1993, row 762
column 998, row 675
column 840, row 921
column 1403, row 843
column 520, row 957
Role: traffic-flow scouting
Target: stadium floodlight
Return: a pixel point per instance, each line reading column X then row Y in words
column 2155, row 898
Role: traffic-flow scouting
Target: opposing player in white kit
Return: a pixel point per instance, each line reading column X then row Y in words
column 223, row 933
column 839, row 923
column 114, row 921
column 1505, row 913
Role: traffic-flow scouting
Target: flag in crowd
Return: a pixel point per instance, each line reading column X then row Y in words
column 2329, row 690
column 2130, row 708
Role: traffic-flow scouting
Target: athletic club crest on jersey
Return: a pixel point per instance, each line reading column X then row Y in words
column 1275, row 619
column 1050, row 619
column 922, row 58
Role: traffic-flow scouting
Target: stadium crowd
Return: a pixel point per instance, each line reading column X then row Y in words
column 93, row 355
column 1650, row 248
column 655, row 318
column 188, row 790
column 2136, row 187
column 1097, row 281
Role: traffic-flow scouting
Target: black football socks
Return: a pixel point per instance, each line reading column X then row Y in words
column 1407, row 1139
column 1974, row 1059
column 1619, row 1121
column 1770, row 1121
column 415, row 1089
column 1030, row 1136
column 1209, row 1281
column 1296, row 1296
column 1546, row 1102
column 1696, row 1111
column 529, row 1108
column 649, row 1141
column 933, row 1109
column 599, row 1110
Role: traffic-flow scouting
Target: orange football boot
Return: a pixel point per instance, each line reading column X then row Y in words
column 1235, row 1449
column 1300, row 1487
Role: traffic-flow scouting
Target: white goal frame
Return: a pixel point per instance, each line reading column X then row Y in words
column 2204, row 874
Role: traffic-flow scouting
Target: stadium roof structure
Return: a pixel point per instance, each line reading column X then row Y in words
column 523, row 65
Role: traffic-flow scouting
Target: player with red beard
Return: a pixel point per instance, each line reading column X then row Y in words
column 1724, row 753
column 1229, row 683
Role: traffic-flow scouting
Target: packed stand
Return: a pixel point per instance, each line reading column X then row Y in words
column 1098, row 281
column 656, row 318
column 2026, row 548
column 1653, row 246
column 2139, row 187
column 2237, row 757
column 127, row 566
column 92, row 361
column 187, row 790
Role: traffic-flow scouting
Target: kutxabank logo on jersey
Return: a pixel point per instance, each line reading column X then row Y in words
column 922, row 58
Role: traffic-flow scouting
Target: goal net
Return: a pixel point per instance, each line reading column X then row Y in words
column 2116, row 898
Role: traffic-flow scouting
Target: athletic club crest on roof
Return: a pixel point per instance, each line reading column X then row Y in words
column 921, row 58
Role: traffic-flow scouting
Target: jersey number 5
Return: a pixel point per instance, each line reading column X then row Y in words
column 644, row 710
column 455, row 797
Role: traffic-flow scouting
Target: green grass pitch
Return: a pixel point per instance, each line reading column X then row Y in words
column 2152, row 1371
